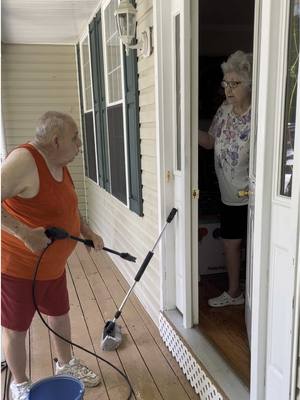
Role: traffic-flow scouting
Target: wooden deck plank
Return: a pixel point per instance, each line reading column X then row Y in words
column 95, row 323
column 81, row 336
column 159, row 342
column 135, row 367
column 96, row 289
column 166, row 381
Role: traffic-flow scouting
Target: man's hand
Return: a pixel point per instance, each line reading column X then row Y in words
column 87, row 233
column 35, row 239
column 97, row 240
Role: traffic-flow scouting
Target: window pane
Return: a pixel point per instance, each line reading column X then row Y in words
column 290, row 102
column 113, row 59
column 178, row 93
column 116, row 152
column 87, row 92
column 89, row 147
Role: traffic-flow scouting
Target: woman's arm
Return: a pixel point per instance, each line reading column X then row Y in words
column 205, row 140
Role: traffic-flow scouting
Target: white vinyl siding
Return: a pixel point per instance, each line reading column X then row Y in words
column 121, row 228
column 36, row 79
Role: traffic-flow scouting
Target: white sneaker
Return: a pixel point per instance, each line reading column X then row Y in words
column 20, row 391
column 78, row 370
column 226, row 300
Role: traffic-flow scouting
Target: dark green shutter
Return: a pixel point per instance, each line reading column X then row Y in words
column 96, row 49
column 133, row 131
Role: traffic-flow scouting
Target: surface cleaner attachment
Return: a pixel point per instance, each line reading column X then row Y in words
column 112, row 336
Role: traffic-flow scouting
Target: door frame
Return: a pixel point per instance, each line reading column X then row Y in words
column 267, row 74
column 163, row 59
column 272, row 51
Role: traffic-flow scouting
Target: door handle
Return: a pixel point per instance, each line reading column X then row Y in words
column 195, row 193
column 244, row 193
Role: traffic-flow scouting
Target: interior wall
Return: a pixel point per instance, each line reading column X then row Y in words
column 36, row 79
column 225, row 26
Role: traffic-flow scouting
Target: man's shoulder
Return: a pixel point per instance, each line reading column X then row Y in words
column 21, row 154
column 20, row 157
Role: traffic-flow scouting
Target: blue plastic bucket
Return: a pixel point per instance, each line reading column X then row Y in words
column 60, row 387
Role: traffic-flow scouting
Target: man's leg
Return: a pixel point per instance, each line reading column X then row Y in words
column 61, row 325
column 232, row 249
column 15, row 353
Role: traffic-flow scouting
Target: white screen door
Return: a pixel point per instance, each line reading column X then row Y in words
column 181, row 157
column 174, row 52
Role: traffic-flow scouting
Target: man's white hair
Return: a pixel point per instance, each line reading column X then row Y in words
column 52, row 122
column 241, row 63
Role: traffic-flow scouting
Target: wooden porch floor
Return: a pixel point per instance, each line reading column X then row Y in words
column 96, row 288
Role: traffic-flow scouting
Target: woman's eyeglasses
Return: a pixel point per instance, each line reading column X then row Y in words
column 230, row 84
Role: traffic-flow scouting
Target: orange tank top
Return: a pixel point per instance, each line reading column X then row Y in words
column 54, row 205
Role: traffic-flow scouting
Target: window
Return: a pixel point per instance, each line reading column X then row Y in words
column 86, row 104
column 290, row 101
column 116, row 110
column 114, row 104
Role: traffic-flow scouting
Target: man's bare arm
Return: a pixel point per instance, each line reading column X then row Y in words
column 88, row 233
column 17, row 174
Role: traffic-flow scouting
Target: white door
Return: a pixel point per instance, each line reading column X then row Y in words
column 181, row 154
column 252, row 173
column 178, row 148
column 279, row 198
column 173, row 55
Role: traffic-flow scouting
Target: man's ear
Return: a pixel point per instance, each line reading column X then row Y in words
column 55, row 142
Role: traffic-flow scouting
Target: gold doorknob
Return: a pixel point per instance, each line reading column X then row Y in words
column 195, row 194
column 243, row 193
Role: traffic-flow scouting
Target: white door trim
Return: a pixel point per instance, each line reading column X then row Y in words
column 296, row 340
column 261, row 231
column 194, row 156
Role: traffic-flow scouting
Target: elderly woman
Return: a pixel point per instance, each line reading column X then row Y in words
column 229, row 135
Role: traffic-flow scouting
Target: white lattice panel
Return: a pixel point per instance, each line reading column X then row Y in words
column 193, row 371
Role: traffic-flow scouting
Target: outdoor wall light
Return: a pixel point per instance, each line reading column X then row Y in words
column 125, row 16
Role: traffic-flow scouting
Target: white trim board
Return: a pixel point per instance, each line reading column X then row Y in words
column 215, row 365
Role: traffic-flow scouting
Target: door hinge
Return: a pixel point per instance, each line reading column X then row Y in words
column 195, row 194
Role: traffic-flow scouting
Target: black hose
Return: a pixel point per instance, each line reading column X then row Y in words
column 63, row 338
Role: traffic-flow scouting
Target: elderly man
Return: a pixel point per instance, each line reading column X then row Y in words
column 38, row 192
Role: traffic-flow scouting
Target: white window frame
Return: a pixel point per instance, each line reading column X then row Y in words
column 86, row 36
column 111, row 104
column 82, row 39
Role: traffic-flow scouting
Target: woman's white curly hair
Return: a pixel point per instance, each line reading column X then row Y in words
column 241, row 63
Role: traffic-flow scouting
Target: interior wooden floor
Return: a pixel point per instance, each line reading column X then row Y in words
column 224, row 327
column 96, row 288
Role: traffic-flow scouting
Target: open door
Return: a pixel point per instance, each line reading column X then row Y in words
column 252, row 173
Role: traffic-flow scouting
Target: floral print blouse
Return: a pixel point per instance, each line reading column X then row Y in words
column 232, row 145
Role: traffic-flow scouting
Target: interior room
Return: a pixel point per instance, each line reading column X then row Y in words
column 224, row 27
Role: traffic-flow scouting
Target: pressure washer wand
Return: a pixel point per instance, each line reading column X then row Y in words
column 55, row 233
column 111, row 337
column 145, row 262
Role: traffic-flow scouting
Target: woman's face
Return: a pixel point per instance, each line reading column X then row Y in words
column 239, row 93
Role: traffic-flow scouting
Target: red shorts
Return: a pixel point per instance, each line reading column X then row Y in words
column 17, row 308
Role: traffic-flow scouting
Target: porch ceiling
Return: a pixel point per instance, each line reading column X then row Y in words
column 45, row 21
